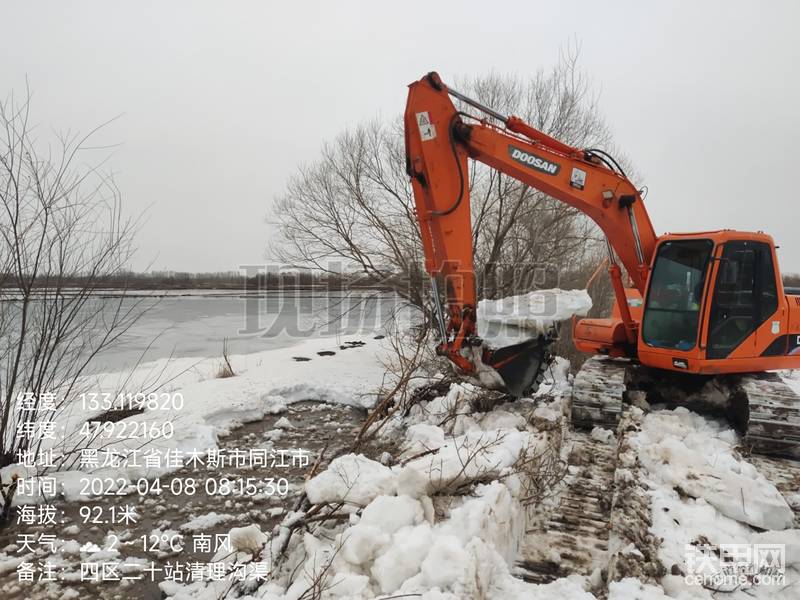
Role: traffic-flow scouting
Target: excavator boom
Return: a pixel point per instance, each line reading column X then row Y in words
column 439, row 140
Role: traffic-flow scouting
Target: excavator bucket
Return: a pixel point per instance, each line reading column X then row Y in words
column 522, row 365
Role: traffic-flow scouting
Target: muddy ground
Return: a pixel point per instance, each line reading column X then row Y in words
column 315, row 426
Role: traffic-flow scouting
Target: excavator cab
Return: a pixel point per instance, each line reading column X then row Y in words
column 714, row 304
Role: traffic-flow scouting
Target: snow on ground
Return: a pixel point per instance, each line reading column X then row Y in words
column 703, row 492
column 695, row 455
column 399, row 538
column 264, row 384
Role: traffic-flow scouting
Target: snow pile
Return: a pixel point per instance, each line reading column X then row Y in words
column 516, row 318
column 446, row 446
column 422, row 437
column 703, row 492
column 443, row 523
column 476, row 455
column 399, row 544
column 695, row 455
column 397, row 548
column 352, row 478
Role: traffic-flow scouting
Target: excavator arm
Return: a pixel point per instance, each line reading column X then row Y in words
column 439, row 140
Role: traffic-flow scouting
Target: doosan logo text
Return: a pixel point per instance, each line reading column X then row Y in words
column 531, row 160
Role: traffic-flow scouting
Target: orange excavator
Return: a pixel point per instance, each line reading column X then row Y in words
column 702, row 314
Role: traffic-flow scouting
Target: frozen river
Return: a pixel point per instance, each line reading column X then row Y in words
column 197, row 324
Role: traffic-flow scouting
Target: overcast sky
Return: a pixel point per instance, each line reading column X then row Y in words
column 221, row 101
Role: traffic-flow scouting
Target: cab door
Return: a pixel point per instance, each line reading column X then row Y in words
column 744, row 297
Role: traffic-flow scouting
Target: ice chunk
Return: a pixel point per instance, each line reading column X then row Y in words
column 247, row 539
column 413, row 483
column 205, row 521
column 349, row 585
column 687, row 451
column 446, row 562
column 362, row 542
column 602, row 435
column 403, row 558
column 502, row 419
column 422, row 437
column 516, row 318
column 284, row 423
column 352, row 478
column 390, row 513
column 493, row 516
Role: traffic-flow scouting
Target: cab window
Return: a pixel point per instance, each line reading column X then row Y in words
column 674, row 297
column 745, row 295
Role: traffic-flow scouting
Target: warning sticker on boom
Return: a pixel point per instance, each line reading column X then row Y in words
column 427, row 130
column 578, row 178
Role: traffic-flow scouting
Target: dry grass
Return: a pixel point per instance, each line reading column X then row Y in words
column 225, row 368
column 542, row 467
column 402, row 369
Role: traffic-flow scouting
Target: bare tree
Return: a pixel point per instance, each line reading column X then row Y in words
column 61, row 232
column 354, row 206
